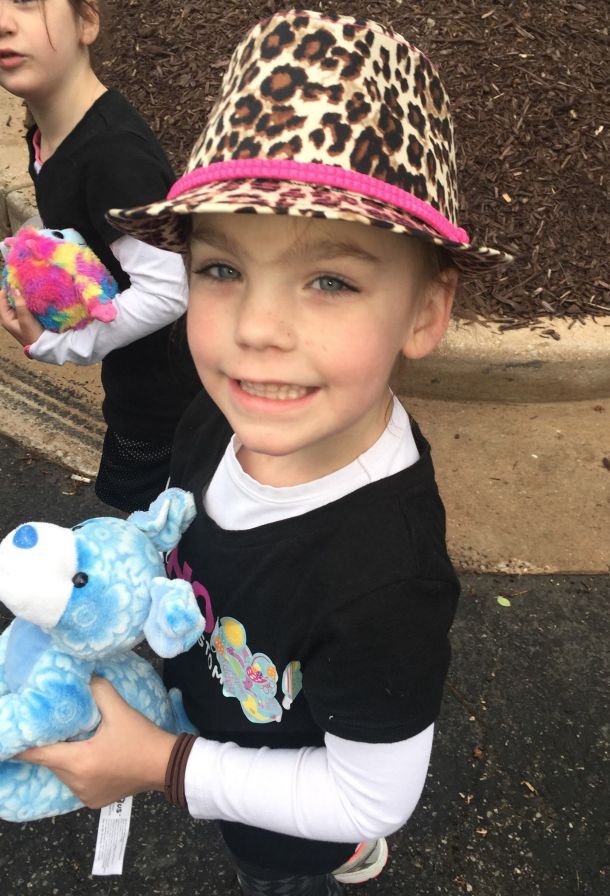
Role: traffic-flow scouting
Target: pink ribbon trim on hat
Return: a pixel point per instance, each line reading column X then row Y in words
column 324, row 176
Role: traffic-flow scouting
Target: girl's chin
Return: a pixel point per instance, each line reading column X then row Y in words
column 269, row 463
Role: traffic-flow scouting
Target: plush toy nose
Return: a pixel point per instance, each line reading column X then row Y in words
column 37, row 564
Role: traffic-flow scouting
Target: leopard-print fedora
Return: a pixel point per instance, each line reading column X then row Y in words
column 323, row 116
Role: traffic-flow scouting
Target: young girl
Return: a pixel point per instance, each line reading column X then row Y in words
column 319, row 210
column 89, row 150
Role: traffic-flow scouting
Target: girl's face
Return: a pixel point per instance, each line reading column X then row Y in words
column 294, row 327
column 42, row 43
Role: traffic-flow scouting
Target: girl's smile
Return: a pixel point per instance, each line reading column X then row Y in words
column 270, row 392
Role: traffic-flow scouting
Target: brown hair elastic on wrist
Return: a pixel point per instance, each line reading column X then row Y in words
column 176, row 768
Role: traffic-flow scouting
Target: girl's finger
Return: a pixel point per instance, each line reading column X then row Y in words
column 29, row 328
column 50, row 754
column 5, row 309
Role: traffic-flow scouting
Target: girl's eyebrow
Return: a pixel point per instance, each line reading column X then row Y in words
column 216, row 238
column 316, row 250
column 325, row 250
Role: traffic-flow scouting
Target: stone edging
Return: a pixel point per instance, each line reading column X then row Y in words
column 17, row 205
column 477, row 362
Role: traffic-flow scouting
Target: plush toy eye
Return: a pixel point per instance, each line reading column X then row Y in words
column 80, row 579
column 57, row 234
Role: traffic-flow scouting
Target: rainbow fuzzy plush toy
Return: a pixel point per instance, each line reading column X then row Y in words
column 60, row 279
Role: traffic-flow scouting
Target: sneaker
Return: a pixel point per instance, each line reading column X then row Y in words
column 367, row 862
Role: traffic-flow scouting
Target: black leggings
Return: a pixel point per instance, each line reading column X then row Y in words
column 299, row 885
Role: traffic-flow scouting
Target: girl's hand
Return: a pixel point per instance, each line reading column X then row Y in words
column 18, row 321
column 128, row 754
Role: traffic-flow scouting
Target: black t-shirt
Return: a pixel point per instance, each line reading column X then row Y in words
column 336, row 620
column 111, row 159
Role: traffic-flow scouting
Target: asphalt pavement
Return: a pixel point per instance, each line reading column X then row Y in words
column 516, row 802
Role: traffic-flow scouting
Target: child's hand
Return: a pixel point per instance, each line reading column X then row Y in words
column 18, row 321
column 128, row 754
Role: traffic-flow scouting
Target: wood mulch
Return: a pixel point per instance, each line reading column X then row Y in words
column 528, row 81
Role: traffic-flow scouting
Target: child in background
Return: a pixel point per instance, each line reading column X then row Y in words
column 89, row 150
column 319, row 209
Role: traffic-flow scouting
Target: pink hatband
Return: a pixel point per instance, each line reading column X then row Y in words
column 320, row 175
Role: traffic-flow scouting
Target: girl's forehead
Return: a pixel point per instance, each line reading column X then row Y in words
column 301, row 235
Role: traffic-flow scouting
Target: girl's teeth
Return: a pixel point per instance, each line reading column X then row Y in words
column 273, row 390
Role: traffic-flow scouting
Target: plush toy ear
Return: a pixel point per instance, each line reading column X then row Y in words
column 175, row 621
column 103, row 311
column 5, row 246
column 67, row 235
column 167, row 518
column 34, row 249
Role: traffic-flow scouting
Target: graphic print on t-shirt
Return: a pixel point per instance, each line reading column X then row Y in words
column 292, row 682
column 250, row 678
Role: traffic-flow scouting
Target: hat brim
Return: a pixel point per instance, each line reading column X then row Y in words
column 162, row 223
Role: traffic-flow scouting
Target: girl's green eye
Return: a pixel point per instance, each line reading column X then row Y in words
column 220, row 272
column 332, row 284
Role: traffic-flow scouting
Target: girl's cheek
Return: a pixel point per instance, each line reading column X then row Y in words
column 203, row 333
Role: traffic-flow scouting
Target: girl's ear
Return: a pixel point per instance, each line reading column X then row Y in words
column 432, row 315
column 90, row 24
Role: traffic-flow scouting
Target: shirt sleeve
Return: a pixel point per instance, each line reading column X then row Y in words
column 157, row 297
column 124, row 170
column 342, row 792
column 389, row 687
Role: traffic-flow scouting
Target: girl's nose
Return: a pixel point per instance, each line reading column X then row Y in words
column 7, row 19
column 264, row 321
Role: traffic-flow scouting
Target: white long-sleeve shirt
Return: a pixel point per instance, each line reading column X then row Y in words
column 156, row 297
column 345, row 791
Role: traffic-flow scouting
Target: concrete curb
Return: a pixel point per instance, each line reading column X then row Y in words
column 478, row 362
column 20, row 206
column 17, row 200
column 17, row 205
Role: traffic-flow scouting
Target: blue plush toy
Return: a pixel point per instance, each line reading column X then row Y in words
column 83, row 598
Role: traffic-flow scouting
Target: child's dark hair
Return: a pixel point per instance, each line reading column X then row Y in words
column 86, row 9
column 434, row 258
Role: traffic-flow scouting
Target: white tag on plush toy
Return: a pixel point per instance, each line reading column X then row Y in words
column 112, row 835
